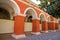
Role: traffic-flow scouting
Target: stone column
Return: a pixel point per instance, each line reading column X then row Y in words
column 52, row 23
column 35, row 26
column 18, row 27
column 49, row 26
column 44, row 26
column 56, row 26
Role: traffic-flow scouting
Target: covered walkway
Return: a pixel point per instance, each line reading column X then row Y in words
column 22, row 11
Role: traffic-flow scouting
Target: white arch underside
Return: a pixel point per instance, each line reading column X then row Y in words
column 12, row 4
column 42, row 17
column 32, row 11
column 49, row 18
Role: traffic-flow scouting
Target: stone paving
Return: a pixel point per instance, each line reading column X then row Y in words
column 42, row 36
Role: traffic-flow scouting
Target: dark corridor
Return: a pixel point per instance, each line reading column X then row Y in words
column 4, row 14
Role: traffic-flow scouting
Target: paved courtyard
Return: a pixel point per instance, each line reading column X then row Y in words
column 29, row 36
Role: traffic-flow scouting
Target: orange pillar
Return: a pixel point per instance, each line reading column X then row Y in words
column 36, row 26
column 45, row 26
column 52, row 26
column 49, row 25
column 56, row 26
column 18, row 27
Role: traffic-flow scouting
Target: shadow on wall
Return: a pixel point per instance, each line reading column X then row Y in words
column 4, row 14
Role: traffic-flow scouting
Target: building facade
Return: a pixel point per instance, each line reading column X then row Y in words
column 25, row 11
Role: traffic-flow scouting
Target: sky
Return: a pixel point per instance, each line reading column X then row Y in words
column 37, row 2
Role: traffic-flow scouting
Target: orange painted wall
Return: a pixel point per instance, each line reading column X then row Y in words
column 51, row 18
column 22, row 6
column 38, row 12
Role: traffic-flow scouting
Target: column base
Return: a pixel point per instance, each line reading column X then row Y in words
column 35, row 33
column 50, row 30
column 45, row 31
column 18, row 36
column 54, row 30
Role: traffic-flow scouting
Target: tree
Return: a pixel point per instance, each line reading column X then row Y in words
column 53, row 8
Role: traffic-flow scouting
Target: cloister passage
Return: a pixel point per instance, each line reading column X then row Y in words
column 5, row 21
column 31, row 17
column 52, row 23
column 28, row 21
column 28, row 17
column 24, row 13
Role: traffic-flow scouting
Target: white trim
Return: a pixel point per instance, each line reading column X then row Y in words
column 22, row 15
column 35, row 18
column 33, row 14
column 52, row 21
column 18, row 36
column 28, row 9
column 17, row 12
column 35, row 33
column 51, row 30
column 54, row 30
column 48, row 18
column 46, row 31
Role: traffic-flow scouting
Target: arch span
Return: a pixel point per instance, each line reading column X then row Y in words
column 42, row 17
column 9, row 5
column 12, row 7
column 32, row 11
